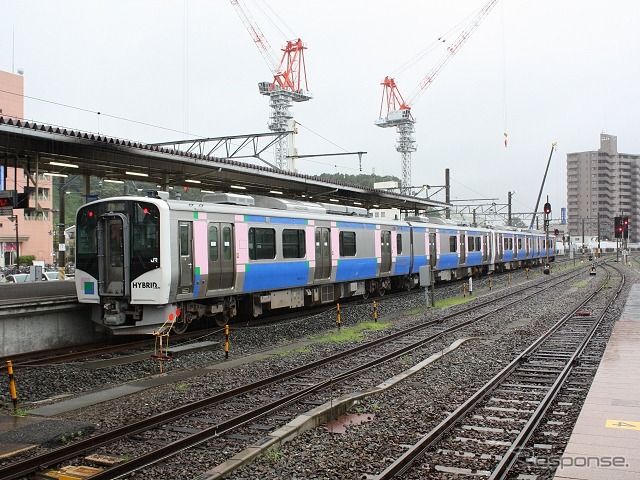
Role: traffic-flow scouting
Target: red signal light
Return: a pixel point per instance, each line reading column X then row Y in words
column 145, row 211
column 6, row 202
column 90, row 213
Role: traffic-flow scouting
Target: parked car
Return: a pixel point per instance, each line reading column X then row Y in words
column 50, row 276
column 18, row 278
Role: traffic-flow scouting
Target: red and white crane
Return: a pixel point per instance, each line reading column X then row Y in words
column 289, row 83
column 396, row 112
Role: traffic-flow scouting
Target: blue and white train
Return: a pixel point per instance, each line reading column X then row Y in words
column 151, row 263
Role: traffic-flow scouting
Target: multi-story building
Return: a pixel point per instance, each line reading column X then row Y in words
column 29, row 233
column 601, row 185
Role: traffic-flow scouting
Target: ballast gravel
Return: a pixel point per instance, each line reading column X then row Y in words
column 400, row 415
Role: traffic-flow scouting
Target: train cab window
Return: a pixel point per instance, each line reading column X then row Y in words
column 262, row 243
column 347, row 244
column 293, row 243
column 399, row 244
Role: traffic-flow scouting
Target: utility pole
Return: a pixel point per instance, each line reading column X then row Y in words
column 509, row 208
column 447, row 192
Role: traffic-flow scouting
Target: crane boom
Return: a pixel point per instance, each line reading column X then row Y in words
column 398, row 112
column 289, row 82
column 451, row 51
column 257, row 36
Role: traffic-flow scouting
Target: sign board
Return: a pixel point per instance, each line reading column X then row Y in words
column 425, row 275
column 62, row 247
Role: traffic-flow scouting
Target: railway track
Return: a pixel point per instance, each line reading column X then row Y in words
column 209, row 419
column 487, row 434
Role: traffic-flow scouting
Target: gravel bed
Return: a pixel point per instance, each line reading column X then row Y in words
column 316, row 454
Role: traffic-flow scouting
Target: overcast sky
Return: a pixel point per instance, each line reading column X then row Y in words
column 543, row 71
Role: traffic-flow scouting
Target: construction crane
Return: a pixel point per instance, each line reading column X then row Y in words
column 289, row 84
column 396, row 112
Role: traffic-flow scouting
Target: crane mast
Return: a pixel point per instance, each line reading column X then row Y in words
column 289, row 83
column 396, row 112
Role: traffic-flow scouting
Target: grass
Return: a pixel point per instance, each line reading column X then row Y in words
column 580, row 284
column 274, row 456
column 285, row 353
column 449, row 302
column 354, row 333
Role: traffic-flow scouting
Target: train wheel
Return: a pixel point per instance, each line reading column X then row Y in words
column 180, row 327
column 367, row 289
column 221, row 319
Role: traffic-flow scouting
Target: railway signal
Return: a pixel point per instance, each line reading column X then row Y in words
column 547, row 208
column 618, row 227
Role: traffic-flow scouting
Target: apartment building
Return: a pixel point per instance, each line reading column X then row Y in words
column 601, row 185
column 23, row 233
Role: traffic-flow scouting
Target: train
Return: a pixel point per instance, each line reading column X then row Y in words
column 154, row 264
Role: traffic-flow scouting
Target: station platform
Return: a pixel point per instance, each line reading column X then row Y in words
column 605, row 443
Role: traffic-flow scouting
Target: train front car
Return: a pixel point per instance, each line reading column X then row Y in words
column 121, row 267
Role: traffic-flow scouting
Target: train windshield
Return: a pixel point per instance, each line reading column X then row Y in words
column 123, row 232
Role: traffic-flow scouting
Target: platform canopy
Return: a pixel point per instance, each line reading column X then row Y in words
column 194, row 163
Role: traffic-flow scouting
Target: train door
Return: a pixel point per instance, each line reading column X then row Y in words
column 500, row 245
column 185, row 245
column 485, row 248
column 114, row 251
column 385, row 253
column 323, row 253
column 221, row 271
column 463, row 248
column 432, row 250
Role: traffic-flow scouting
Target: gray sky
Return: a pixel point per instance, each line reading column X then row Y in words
column 543, row 71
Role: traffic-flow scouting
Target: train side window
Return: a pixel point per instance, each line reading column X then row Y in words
column 478, row 244
column 213, row 243
column 453, row 244
column 262, row 243
column 293, row 243
column 519, row 244
column 470, row 244
column 399, row 244
column 347, row 244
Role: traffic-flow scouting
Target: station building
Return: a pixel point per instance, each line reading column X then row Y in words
column 601, row 185
column 23, row 233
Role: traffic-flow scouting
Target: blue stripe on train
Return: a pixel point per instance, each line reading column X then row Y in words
column 402, row 265
column 356, row 269
column 266, row 276
column 447, row 260
column 507, row 256
column 418, row 262
column 474, row 258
